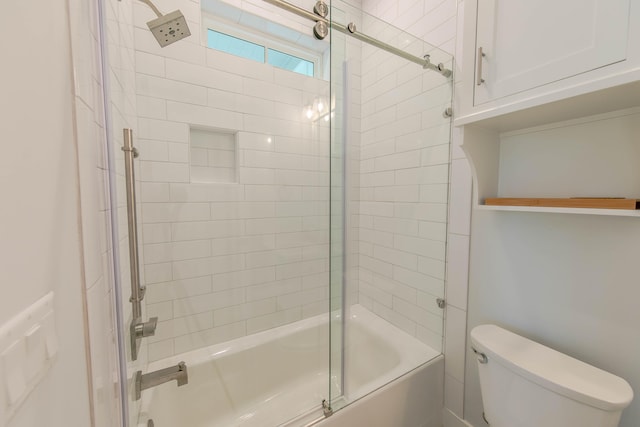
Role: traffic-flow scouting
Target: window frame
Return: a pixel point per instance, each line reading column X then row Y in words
column 265, row 40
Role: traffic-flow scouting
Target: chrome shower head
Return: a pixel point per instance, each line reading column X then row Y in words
column 169, row 28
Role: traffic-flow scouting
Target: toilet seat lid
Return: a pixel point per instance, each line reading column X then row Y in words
column 551, row 369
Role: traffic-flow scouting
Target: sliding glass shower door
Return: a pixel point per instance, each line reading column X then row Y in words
column 390, row 146
column 292, row 201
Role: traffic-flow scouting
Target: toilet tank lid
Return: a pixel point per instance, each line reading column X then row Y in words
column 551, row 369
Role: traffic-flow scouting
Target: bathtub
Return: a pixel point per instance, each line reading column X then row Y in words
column 281, row 376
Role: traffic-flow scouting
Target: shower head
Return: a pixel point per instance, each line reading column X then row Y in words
column 167, row 28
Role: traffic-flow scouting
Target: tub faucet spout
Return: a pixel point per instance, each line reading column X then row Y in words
column 161, row 376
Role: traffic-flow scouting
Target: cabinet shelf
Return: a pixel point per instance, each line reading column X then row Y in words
column 609, row 94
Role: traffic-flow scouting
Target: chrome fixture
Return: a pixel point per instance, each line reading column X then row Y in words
column 448, row 112
column 320, row 30
column 439, row 68
column 326, row 408
column 321, row 9
column 161, row 376
column 441, row 302
column 350, row 29
column 482, row 358
column 167, row 28
column 138, row 329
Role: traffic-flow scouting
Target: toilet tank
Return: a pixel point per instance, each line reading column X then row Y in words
column 525, row 384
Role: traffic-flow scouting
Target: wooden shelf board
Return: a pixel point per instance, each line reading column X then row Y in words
column 575, row 202
column 578, row 211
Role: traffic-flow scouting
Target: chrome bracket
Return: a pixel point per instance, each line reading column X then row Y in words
column 326, row 408
column 441, row 302
column 142, row 291
column 321, row 9
column 448, row 112
column 320, row 30
column 132, row 150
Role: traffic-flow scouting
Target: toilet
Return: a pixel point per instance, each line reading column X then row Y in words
column 525, row 384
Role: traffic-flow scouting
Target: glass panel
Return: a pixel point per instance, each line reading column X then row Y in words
column 290, row 62
column 340, row 87
column 235, row 46
column 393, row 186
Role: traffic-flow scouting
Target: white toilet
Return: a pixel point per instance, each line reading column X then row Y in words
column 525, row 384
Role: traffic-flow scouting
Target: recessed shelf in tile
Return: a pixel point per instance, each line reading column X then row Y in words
column 213, row 157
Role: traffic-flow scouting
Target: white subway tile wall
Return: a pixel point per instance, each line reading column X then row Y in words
column 439, row 22
column 404, row 174
column 235, row 226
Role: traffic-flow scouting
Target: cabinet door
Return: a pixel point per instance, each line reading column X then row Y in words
column 529, row 43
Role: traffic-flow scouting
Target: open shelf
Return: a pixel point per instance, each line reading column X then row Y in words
column 593, row 156
column 579, row 211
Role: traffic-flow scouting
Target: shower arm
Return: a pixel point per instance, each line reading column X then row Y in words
column 153, row 7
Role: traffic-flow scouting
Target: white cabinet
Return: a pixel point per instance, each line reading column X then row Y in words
column 524, row 44
column 539, row 52
column 558, row 112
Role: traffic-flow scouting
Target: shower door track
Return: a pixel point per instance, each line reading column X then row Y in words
column 350, row 30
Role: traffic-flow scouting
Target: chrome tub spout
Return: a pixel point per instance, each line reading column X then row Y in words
column 161, row 376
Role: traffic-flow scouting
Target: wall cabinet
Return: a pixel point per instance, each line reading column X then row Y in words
column 523, row 44
column 551, row 108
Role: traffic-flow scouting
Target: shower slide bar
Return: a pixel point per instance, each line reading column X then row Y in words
column 350, row 30
column 138, row 328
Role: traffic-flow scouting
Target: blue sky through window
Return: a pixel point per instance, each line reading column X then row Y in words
column 235, row 46
column 290, row 62
column 246, row 49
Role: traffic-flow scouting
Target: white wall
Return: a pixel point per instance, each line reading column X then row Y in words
column 567, row 281
column 40, row 215
column 404, row 172
column 436, row 22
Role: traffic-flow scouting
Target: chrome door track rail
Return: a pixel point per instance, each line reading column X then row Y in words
column 350, row 30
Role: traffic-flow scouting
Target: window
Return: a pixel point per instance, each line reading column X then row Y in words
column 235, row 46
column 261, row 52
column 290, row 62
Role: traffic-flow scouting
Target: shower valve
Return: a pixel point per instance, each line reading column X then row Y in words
column 146, row 329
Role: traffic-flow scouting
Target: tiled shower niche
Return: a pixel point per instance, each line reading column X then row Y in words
column 213, row 156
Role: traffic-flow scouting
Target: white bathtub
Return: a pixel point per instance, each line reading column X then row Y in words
column 280, row 377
